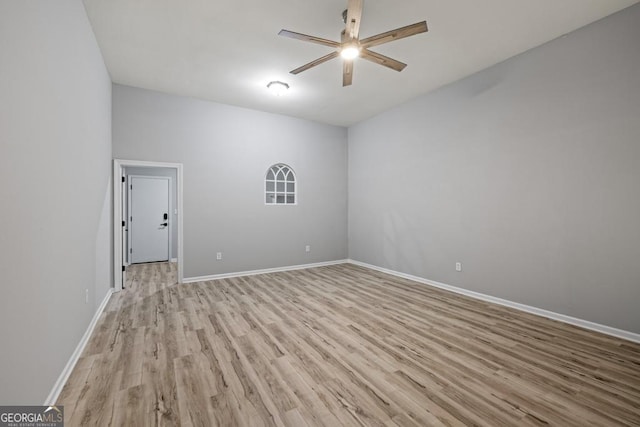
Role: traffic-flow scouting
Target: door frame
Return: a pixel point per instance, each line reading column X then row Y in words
column 127, row 257
column 118, row 173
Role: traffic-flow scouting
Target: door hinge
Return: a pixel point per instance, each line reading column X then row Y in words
column 123, row 179
column 123, row 223
column 131, row 250
column 123, row 268
column 131, row 187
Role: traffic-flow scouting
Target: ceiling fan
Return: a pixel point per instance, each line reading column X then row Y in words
column 351, row 46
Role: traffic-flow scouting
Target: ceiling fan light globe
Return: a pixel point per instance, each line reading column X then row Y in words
column 350, row 52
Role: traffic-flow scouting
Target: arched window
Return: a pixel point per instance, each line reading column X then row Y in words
column 280, row 185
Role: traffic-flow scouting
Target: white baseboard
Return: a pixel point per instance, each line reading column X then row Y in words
column 173, row 260
column 608, row 330
column 64, row 376
column 264, row 271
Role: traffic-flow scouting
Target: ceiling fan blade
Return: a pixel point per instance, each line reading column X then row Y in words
column 397, row 34
column 354, row 14
column 307, row 38
column 382, row 60
column 347, row 72
column 314, row 63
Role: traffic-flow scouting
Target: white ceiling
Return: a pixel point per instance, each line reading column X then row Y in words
column 227, row 51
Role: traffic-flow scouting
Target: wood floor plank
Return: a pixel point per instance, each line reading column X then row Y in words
column 339, row 346
column 194, row 394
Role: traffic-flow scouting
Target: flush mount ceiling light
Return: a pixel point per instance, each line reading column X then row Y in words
column 278, row 88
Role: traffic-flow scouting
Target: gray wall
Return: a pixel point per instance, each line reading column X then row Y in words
column 173, row 223
column 226, row 152
column 55, row 111
column 528, row 173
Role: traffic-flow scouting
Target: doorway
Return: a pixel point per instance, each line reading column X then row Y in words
column 148, row 220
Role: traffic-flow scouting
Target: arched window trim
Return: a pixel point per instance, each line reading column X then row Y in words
column 280, row 186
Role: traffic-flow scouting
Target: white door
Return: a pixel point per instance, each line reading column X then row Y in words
column 148, row 219
column 123, row 228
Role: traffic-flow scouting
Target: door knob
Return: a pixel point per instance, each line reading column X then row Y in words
column 165, row 224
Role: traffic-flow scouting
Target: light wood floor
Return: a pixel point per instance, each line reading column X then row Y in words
column 340, row 345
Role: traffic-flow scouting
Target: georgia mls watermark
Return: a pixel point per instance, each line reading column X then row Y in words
column 31, row 416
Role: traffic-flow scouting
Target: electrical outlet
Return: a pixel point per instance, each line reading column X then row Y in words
column 219, row 256
column 458, row 266
column 307, row 248
column 86, row 296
